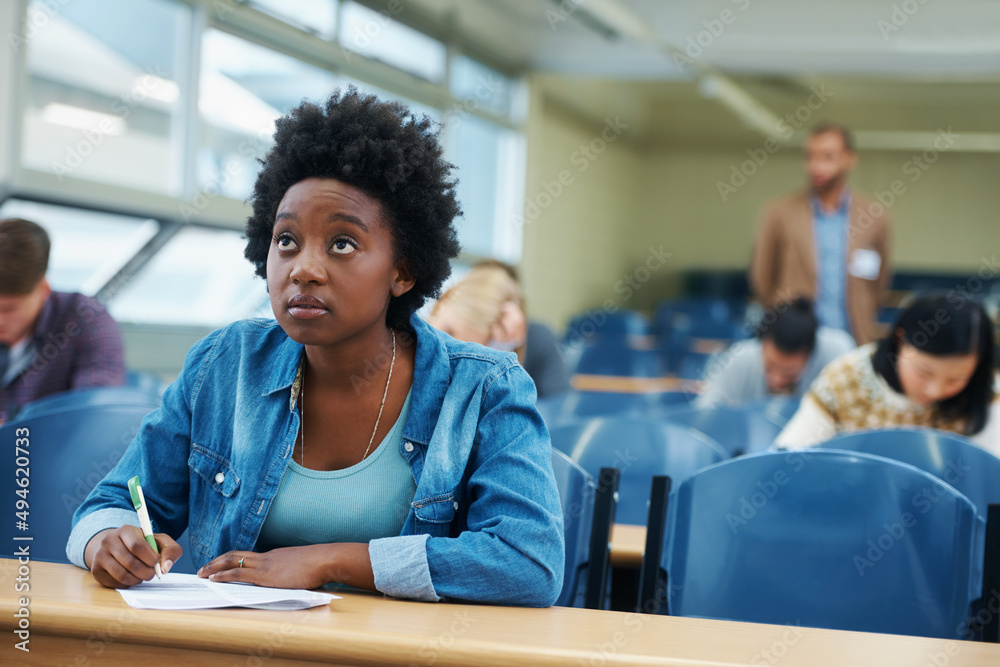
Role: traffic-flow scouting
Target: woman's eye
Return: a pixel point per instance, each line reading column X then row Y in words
column 343, row 247
column 284, row 242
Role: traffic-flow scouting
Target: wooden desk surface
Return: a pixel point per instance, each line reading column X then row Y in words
column 633, row 385
column 628, row 544
column 75, row 621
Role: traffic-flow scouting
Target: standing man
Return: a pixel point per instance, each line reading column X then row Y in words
column 829, row 243
column 49, row 341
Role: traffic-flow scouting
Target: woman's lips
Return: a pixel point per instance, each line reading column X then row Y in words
column 306, row 307
column 306, row 312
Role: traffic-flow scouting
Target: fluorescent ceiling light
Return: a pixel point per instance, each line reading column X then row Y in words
column 611, row 18
column 730, row 95
column 156, row 88
column 82, row 119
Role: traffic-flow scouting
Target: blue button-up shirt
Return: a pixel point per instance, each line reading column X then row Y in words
column 830, row 231
column 485, row 523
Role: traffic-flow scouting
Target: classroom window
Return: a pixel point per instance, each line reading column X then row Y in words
column 316, row 16
column 88, row 247
column 198, row 278
column 477, row 86
column 375, row 34
column 489, row 160
column 103, row 97
column 244, row 89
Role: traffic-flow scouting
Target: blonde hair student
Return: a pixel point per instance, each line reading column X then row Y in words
column 487, row 307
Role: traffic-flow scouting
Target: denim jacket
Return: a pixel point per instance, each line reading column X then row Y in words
column 485, row 523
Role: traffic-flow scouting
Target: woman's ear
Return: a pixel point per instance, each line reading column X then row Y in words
column 403, row 282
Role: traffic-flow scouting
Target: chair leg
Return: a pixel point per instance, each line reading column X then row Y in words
column 991, row 575
column 653, row 578
column 605, row 503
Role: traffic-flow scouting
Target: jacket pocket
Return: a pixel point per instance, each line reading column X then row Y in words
column 213, row 481
column 435, row 514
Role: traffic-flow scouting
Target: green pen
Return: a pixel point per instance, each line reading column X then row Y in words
column 139, row 502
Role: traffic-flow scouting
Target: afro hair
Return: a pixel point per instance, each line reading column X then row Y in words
column 387, row 152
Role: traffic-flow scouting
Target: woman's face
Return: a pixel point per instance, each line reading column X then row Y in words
column 927, row 378
column 331, row 266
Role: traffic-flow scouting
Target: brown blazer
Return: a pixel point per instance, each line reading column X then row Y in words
column 784, row 258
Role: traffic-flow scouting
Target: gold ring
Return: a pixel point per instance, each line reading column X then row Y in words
column 241, row 561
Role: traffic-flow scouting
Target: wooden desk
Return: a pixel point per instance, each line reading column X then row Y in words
column 74, row 621
column 632, row 385
column 628, row 544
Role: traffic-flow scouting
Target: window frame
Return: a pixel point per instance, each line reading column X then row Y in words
column 242, row 20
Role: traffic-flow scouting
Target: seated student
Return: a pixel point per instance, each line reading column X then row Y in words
column 935, row 369
column 347, row 442
column 49, row 341
column 487, row 307
column 784, row 359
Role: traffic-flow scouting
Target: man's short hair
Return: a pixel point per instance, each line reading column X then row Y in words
column 836, row 128
column 792, row 327
column 24, row 256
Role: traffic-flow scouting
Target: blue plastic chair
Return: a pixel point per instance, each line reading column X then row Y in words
column 145, row 381
column 696, row 341
column 619, row 360
column 639, row 448
column 70, row 451
column 596, row 325
column 972, row 470
column 670, row 315
column 692, row 365
column 576, row 493
column 576, row 405
column 91, row 398
column 777, row 409
column 826, row 539
column 737, row 430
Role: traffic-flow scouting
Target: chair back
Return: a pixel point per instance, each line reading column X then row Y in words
column 577, row 405
column 972, row 470
column 639, row 448
column 828, row 539
column 777, row 409
column 576, row 493
column 739, row 431
column 91, row 398
column 69, row 451
column 620, row 360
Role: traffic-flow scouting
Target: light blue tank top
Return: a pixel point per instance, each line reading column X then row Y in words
column 358, row 504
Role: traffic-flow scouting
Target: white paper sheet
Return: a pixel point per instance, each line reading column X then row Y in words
column 188, row 591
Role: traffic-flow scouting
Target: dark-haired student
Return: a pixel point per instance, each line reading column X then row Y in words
column 935, row 369
column 348, row 441
column 786, row 356
column 50, row 341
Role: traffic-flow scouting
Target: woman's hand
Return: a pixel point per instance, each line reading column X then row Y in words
column 121, row 557
column 295, row 567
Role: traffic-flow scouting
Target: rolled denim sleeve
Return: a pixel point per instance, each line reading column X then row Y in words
column 513, row 549
column 400, row 567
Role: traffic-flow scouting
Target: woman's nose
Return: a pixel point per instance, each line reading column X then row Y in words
column 308, row 269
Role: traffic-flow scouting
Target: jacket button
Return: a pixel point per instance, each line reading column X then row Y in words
column 220, row 478
column 408, row 446
column 455, row 505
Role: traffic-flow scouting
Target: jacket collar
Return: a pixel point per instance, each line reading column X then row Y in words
column 431, row 377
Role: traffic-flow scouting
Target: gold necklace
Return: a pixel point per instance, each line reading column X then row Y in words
column 302, row 406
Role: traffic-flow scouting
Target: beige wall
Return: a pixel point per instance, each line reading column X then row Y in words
column 576, row 239
column 642, row 193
